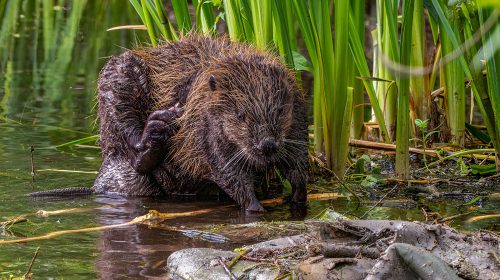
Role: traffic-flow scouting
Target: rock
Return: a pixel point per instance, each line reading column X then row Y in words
column 198, row 263
column 325, row 268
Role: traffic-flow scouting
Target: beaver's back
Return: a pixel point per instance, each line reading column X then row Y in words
column 174, row 66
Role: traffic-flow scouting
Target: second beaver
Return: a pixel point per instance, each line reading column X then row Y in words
column 200, row 110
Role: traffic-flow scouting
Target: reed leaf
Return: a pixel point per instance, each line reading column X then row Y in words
column 282, row 36
column 482, row 99
column 358, row 107
column 343, row 74
column 147, row 21
column 205, row 18
column 419, row 85
column 181, row 12
column 301, row 11
column 403, row 125
column 357, row 49
column 262, row 17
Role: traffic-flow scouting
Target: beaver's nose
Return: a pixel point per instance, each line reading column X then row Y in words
column 268, row 146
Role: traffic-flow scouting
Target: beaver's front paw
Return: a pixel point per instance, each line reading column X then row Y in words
column 160, row 126
column 152, row 147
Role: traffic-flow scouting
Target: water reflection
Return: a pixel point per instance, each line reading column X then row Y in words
column 142, row 250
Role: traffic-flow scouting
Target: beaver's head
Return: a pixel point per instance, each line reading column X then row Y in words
column 250, row 102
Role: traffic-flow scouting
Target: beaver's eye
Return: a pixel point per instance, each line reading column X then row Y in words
column 240, row 116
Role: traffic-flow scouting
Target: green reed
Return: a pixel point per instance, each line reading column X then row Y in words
column 205, row 17
column 491, row 54
column 387, row 39
column 358, row 109
column 403, row 124
column 486, row 99
column 404, row 72
column 419, row 84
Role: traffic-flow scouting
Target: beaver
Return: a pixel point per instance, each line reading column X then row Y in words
column 200, row 110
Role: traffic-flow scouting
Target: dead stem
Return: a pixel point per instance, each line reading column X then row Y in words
column 67, row 171
column 153, row 214
column 43, row 213
column 283, row 276
column 28, row 275
column 237, row 258
column 13, row 221
column 378, row 202
column 446, row 219
column 228, row 271
column 482, row 217
column 314, row 196
column 32, row 150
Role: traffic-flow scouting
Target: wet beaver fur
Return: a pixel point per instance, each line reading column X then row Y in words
column 196, row 111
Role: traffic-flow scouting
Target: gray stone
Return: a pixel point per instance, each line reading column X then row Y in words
column 198, row 263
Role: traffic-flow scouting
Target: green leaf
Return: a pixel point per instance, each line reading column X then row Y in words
column 301, row 63
column 422, row 125
column 483, row 170
column 331, row 215
column 474, row 200
column 372, row 181
column 486, row 3
column 287, row 186
column 478, row 133
column 359, row 166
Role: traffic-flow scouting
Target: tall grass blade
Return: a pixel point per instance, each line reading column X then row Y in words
column 147, row 21
column 343, row 74
column 403, row 125
column 205, row 19
column 493, row 74
column 357, row 49
column 181, row 12
column 282, row 36
column 358, row 114
column 301, row 11
column 262, row 17
column 419, row 85
column 482, row 99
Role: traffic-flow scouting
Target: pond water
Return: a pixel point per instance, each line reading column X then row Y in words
column 47, row 98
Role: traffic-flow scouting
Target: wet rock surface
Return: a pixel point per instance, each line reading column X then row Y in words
column 341, row 249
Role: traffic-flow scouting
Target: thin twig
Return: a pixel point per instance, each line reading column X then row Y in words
column 32, row 150
column 13, row 221
column 446, row 219
column 27, row 274
column 389, row 147
column 378, row 202
column 237, row 258
column 283, row 276
column 254, row 259
column 425, row 214
column 228, row 271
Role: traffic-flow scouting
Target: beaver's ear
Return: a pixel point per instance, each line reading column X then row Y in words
column 212, row 83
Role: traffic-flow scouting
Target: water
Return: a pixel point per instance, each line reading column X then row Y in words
column 47, row 93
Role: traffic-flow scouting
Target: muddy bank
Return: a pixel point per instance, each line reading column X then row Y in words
column 363, row 249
